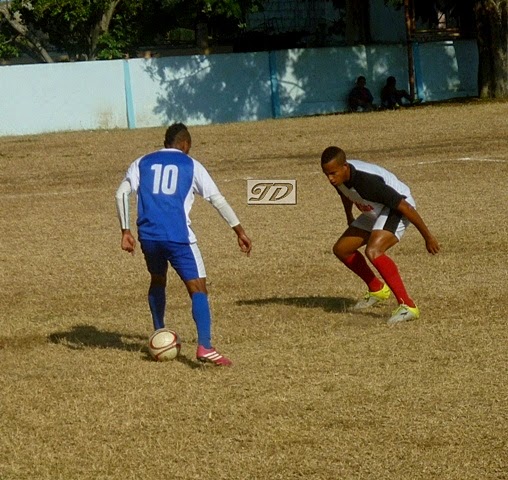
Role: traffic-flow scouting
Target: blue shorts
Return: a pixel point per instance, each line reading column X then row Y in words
column 184, row 258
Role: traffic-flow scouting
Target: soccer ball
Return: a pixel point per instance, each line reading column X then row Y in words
column 164, row 344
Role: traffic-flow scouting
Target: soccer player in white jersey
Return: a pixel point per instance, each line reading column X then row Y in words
column 165, row 182
column 386, row 208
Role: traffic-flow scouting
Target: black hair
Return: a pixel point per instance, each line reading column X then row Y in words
column 175, row 134
column 333, row 153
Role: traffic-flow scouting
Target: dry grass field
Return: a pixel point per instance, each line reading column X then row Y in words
column 316, row 391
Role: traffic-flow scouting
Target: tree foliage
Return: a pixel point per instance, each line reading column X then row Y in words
column 19, row 36
column 77, row 26
column 7, row 48
column 103, row 29
column 215, row 18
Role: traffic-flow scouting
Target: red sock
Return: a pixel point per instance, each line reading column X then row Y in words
column 357, row 263
column 390, row 273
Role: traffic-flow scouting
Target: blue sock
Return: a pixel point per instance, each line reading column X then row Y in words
column 202, row 317
column 157, row 302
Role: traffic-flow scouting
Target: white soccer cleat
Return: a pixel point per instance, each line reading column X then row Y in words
column 371, row 298
column 404, row 314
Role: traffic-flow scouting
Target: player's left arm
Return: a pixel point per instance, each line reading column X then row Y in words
column 228, row 214
column 406, row 209
column 206, row 187
column 244, row 241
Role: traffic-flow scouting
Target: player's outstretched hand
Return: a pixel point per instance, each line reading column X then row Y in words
column 128, row 242
column 245, row 243
column 243, row 240
column 432, row 245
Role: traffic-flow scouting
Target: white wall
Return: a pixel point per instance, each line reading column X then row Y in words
column 220, row 88
column 201, row 89
column 315, row 81
column 447, row 69
column 62, row 96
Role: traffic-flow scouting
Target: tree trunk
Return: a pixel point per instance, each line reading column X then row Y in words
column 409, row 15
column 29, row 41
column 492, row 36
column 357, row 22
column 101, row 27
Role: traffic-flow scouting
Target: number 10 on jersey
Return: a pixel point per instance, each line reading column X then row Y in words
column 165, row 178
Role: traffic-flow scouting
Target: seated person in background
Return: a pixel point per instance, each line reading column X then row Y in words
column 360, row 97
column 391, row 97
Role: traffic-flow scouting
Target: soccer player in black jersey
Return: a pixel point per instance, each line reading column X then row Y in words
column 386, row 209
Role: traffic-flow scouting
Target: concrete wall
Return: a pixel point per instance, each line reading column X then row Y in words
column 62, row 96
column 315, row 81
column 201, row 89
column 222, row 88
column 447, row 69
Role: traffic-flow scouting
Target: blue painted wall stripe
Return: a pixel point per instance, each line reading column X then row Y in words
column 274, row 84
column 129, row 100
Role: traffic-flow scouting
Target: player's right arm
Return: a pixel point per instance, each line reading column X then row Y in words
column 348, row 208
column 128, row 242
column 129, row 184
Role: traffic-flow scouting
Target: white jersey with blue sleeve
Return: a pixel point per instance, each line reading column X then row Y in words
column 165, row 182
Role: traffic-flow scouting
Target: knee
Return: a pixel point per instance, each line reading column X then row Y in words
column 198, row 285
column 372, row 252
column 340, row 252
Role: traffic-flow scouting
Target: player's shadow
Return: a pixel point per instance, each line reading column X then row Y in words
column 328, row 304
column 89, row 336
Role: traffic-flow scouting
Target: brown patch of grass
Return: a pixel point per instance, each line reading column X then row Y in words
column 316, row 391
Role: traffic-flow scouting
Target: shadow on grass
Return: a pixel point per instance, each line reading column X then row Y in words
column 328, row 304
column 89, row 336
